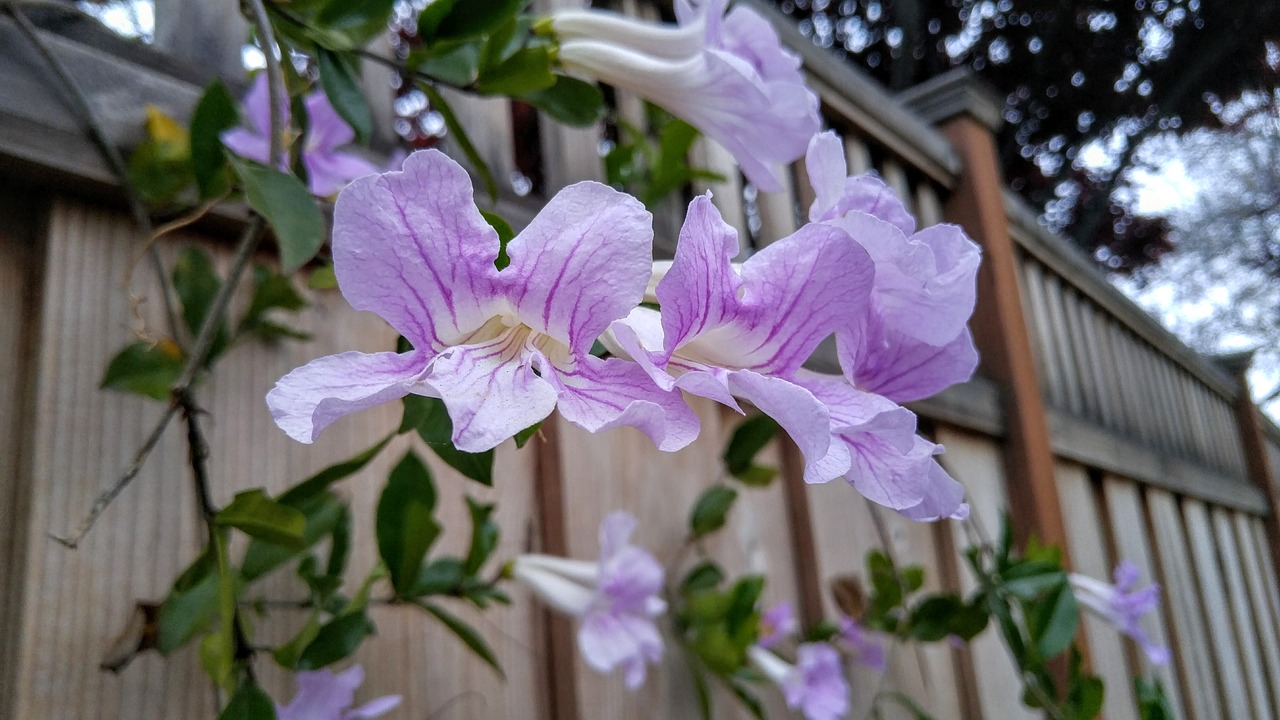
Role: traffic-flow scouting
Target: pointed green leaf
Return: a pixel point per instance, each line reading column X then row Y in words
column 249, row 703
column 467, row 634
column 337, row 639
column 287, row 205
column 528, row 71
column 711, row 509
column 196, row 283
column 406, row 527
column 146, row 369
column 337, row 77
column 748, row 439
column 213, row 115
column 257, row 515
column 484, row 535
column 570, row 101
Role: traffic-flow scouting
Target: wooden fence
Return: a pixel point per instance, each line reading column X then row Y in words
column 1098, row 428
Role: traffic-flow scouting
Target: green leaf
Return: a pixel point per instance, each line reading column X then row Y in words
column 337, row 77
column 222, row 644
column 746, row 695
column 710, row 510
column 249, row 703
column 757, row 476
column 257, row 515
column 287, row 205
column 1086, row 697
column 439, row 577
column 484, row 536
column 287, row 655
column 444, row 19
column 322, row 278
column 431, row 419
column 742, row 608
column 748, row 439
column 705, row 576
column 505, row 235
column 506, row 40
column 1054, row 620
column 529, row 70
column 931, row 620
column 186, row 613
column 146, row 369
column 570, row 101
column 356, row 21
column 406, row 528
column 320, row 482
column 323, row 513
column 454, row 63
column 336, row 640
column 1028, row 580
column 160, row 166
column 523, row 437
column 196, row 283
column 213, row 115
column 1153, row 704
column 467, row 634
column 460, row 136
column 271, row 291
column 340, row 547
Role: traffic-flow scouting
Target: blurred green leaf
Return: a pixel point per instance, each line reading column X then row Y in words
column 710, row 511
column 146, row 369
column 527, row 71
column 705, row 576
column 337, row 639
column 505, row 236
column 160, row 166
column 748, row 439
column 1053, row 621
column 406, row 526
column 186, row 613
column 213, row 115
column 318, row 483
column 196, row 283
column 271, row 291
column 484, row 535
column 323, row 278
column 452, row 19
column 287, row 655
column 257, row 515
column 338, row 78
column 431, row 419
column 467, row 634
column 523, row 437
column 357, row 21
column 570, row 101
column 323, row 515
column 249, row 703
column 287, row 205
column 439, row 577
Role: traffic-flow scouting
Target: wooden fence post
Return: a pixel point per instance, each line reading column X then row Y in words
column 1253, row 442
column 969, row 115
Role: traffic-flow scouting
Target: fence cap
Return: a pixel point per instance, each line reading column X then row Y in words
column 955, row 92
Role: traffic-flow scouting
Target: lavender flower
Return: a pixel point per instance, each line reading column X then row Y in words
column 503, row 349
column 1121, row 606
column 776, row 624
column 815, row 685
column 727, row 75
column 617, row 599
column 865, row 650
column 323, row 695
column 328, row 168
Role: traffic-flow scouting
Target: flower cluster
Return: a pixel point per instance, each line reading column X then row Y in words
column 504, row 348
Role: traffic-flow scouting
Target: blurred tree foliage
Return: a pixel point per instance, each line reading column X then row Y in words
column 1110, row 73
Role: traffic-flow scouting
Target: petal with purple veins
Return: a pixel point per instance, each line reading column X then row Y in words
column 312, row 397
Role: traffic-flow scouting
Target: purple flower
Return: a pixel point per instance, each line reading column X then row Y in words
column 888, row 462
column 726, row 332
column 617, row 599
column 866, row 651
column 815, row 685
column 729, row 76
column 501, row 348
column 323, row 695
column 1121, row 606
column 328, row 169
column 914, row 342
column 776, row 624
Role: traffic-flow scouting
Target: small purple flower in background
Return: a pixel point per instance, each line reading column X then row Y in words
column 865, row 650
column 1121, row 606
column 324, row 695
column 727, row 75
column 328, row 168
column 776, row 624
column 503, row 349
column 914, row 342
column 815, row 685
column 617, row 599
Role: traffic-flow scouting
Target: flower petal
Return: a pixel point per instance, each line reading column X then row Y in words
column 412, row 247
column 802, row 415
column 247, row 144
column 374, row 708
column 903, row 368
column 326, row 129
column 608, row 641
column 322, row 694
column 582, row 263
column 631, row 580
column 597, row 395
column 312, row 397
column 615, row 532
column 330, row 171
column 490, row 391
column 825, row 165
column 700, row 290
column 943, row 496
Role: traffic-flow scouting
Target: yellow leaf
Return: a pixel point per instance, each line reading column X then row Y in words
column 169, row 135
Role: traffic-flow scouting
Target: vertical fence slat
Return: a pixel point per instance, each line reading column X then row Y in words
column 1259, row 604
column 1247, row 629
column 1129, row 530
column 1089, row 553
